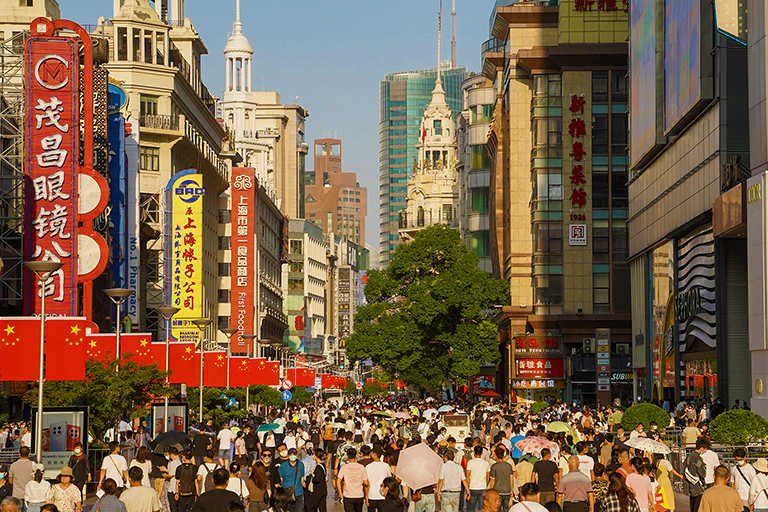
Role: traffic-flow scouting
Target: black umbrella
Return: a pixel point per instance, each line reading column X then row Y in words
column 178, row 440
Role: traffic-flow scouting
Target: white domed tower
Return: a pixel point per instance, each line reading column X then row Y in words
column 433, row 189
column 238, row 54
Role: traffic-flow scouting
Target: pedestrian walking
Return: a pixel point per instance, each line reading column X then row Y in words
column 695, row 471
column 531, row 499
column 619, row 498
column 758, row 490
column 6, row 489
column 19, row 475
column 36, row 490
column 317, row 484
column 65, row 495
column 115, row 467
column 478, row 476
column 108, row 502
column 219, row 498
column 449, row 485
column 259, row 490
column 720, row 497
column 574, row 493
column 352, row 481
column 742, row 474
column 81, row 466
column 143, row 461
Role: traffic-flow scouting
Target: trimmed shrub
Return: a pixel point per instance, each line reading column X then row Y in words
column 738, row 427
column 645, row 414
column 539, row 407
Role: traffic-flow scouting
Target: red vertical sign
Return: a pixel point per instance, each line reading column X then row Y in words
column 243, row 256
column 51, row 160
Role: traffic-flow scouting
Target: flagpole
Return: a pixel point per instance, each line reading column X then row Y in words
column 167, row 312
column 228, row 332
column 201, row 323
column 251, row 342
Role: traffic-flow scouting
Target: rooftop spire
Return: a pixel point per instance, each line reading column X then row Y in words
column 453, row 40
column 439, row 39
column 238, row 25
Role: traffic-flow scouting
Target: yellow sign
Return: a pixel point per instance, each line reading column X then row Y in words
column 184, row 253
column 754, row 193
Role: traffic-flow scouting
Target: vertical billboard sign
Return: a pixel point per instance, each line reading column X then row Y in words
column 184, row 253
column 51, row 161
column 132, row 200
column 243, row 254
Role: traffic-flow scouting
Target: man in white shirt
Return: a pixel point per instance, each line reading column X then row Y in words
column 206, row 468
column 173, row 464
column 530, row 494
column 450, row 482
column 478, row 476
column 114, row 466
column 377, row 471
column 711, row 459
column 225, row 445
column 26, row 437
column 586, row 463
column 742, row 475
column 139, row 498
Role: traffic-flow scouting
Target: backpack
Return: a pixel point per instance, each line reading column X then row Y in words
column 208, row 481
column 186, row 477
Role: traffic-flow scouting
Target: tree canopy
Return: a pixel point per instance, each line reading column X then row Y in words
column 426, row 318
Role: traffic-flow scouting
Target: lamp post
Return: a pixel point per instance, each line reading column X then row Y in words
column 201, row 323
column 228, row 332
column 43, row 270
column 250, row 338
column 118, row 296
column 167, row 312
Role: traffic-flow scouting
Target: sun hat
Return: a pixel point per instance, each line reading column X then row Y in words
column 761, row 465
column 65, row 471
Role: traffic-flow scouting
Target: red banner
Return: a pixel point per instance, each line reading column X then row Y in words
column 20, row 348
column 65, row 348
column 239, row 370
column 215, row 370
column 304, row 377
column 540, row 368
column 243, row 279
column 101, row 347
column 184, row 364
column 51, row 151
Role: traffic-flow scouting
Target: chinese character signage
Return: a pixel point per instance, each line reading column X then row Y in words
column 601, row 5
column 184, row 253
column 540, row 368
column 51, row 161
column 243, row 256
column 543, row 346
column 538, row 384
column 577, row 234
column 577, row 129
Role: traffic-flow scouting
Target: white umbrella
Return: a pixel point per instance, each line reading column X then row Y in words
column 646, row 444
column 402, row 415
column 418, row 466
column 429, row 413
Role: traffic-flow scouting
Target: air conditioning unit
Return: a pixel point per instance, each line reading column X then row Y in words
column 589, row 346
column 622, row 349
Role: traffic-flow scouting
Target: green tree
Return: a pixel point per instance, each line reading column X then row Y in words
column 738, row 427
column 111, row 393
column 426, row 316
column 645, row 414
column 218, row 409
column 300, row 395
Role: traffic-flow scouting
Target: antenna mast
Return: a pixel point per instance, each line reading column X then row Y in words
column 453, row 41
column 439, row 37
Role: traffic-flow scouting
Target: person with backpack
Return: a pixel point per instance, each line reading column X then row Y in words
column 218, row 499
column 185, row 491
column 742, row 475
column 205, row 473
column 695, row 472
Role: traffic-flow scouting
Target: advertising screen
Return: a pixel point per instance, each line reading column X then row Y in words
column 62, row 428
column 682, row 59
column 642, row 47
column 177, row 415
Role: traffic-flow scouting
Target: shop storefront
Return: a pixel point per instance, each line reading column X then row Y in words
column 539, row 367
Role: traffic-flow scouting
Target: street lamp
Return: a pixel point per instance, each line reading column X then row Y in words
column 43, row 270
column 250, row 338
column 228, row 332
column 167, row 312
column 118, row 296
column 201, row 323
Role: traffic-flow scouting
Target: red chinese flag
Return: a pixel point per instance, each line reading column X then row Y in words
column 326, row 381
column 272, row 373
column 239, row 370
column 65, row 348
column 20, row 348
column 290, row 374
column 185, row 364
column 257, row 373
column 215, row 369
column 138, row 344
column 158, row 355
column 305, row 377
column 100, row 347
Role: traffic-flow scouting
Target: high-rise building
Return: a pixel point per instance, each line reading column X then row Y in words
column 558, row 197
column 403, row 98
column 474, row 167
column 334, row 199
column 268, row 135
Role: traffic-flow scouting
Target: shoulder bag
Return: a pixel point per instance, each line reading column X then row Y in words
column 292, row 489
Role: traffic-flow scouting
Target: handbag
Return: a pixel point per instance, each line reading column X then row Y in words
column 660, row 498
column 292, row 489
column 416, row 496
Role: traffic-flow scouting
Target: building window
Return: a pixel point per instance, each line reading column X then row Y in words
column 438, row 126
column 481, row 159
column 225, row 216
column 447, row 213
column 335, row 149
column 223, row 322
column 420, row 217
column 223, row 296
column 224, row 270
column 296, row 247
column 148, row 105
column 225, row 243
column 296, row 284
column 320, row 150
column 481, row 244
column 26, row 3
column 480, row 198
column 296, row 266
column 149, row 158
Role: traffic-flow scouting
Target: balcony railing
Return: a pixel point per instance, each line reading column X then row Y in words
column 159, row 122
column 178, row 61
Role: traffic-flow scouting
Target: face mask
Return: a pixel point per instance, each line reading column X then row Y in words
column 167, row 457
column 283, row 453
column 292, row 458
column 78, row 451
column 2, row 475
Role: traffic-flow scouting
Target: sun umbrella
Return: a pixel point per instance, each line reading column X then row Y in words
column 429, row 413
column 402, row 415
column 418, row 466
column 381, row 413
column 445, row 408
column 489, row 393
column 647, row 445
column 267, row 427
column 534, row 444
column 337, row 425
column 558, row 426
column 178, row 440
column 429, row 399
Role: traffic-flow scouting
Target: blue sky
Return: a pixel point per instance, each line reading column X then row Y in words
column 331, row 54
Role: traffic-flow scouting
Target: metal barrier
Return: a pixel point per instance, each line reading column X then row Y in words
column 95, row 458
column 9, row 456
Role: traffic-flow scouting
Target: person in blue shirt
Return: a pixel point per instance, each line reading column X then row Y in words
column 516, row 453
column 292, row 475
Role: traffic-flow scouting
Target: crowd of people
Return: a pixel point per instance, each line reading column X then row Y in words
column 566, row 459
